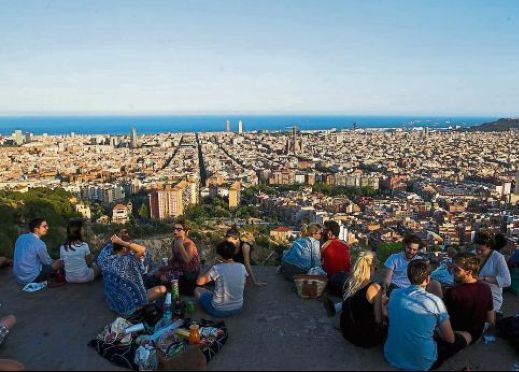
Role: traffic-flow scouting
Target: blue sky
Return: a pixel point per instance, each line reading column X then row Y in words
column 298, row 56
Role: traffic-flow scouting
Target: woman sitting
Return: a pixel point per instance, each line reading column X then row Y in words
column 122, row 268
column 304, row 253
column 243, row 253
column 362, row 310
column 494, row 269
column 186, row 260
column 76, row 256
column 229, row 278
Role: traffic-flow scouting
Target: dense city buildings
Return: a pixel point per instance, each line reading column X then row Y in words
column 440, row 184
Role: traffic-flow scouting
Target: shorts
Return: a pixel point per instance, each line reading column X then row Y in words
column 206, row 301
column 87, row 276
column 289, row 271
column 447, row 350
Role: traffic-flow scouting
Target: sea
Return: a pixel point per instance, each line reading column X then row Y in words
column 120, row 125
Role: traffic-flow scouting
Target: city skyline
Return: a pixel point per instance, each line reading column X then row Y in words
column 336, row 57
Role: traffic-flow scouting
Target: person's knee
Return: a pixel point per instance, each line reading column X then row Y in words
column 11, row 365
column 162, row 290
column 8, row 321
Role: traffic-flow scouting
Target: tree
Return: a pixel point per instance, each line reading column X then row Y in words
column 144, row 211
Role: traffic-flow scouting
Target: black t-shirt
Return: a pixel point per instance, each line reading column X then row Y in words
column 468, row 306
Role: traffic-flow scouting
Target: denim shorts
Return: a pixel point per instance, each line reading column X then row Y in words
column 206, row 301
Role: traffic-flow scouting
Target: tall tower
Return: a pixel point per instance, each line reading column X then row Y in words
column 240, row 127
column 133, row 138
column 227, row 126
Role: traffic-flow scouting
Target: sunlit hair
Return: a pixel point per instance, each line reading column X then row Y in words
column 309, row 230
column 361, row 273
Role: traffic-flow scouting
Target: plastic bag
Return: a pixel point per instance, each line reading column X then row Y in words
column 34, row 287
column 115, row 332
column 316, row 271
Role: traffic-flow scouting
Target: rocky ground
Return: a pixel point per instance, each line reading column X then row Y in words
column 277, row 330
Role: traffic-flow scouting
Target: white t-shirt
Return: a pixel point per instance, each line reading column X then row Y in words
column 75, row 260
column 496, row 266
column 229, row 281
column 398, row 264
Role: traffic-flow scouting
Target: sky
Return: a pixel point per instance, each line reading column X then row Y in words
column 388, row 57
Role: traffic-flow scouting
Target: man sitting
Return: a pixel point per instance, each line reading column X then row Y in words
column 32, row 262
column 6, row 325
column 336, row 258
column 470, row 302
column 414, row 315
column 122, row 270
column 396, row 267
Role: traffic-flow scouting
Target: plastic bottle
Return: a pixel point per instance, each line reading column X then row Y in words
column 194, row 334
column 167, row 315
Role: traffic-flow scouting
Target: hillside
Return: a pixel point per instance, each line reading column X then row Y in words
column 500, row 125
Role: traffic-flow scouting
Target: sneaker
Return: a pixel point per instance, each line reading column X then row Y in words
column 329, row 306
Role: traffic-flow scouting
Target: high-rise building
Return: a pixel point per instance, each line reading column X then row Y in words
column 234, row 195
column 171, row 202
column 227, row 126
column 133, row 138
column 240, row 127
column 18, row 137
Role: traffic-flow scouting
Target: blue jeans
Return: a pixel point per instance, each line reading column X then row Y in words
column 206, row 301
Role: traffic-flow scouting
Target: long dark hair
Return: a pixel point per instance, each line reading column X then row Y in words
column 74, row 234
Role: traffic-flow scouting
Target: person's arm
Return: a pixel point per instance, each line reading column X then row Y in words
column 137, row 249
column 185, row 253
column 389, row 268
column 43, row 255
column 446, row 332
column 491, row 317
column 374, row 296
column 248, row 266
column 205, row 277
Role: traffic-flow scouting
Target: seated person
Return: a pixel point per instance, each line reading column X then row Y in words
column 76, row 255
column 5, row 262
column 186, row 260
column 396, row 267
column 469, row 302
column 32, row 262
column 304, row 253
column 493, row 270
column 6, row 325
column 362, row 314
column 229, row 278
column 243, row 254
column 414, row 315
column 122, row 269
column 335, row 257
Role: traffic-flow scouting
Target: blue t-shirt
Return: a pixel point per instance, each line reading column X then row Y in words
column 414, row 314
column 398, row 264
column 30, row 254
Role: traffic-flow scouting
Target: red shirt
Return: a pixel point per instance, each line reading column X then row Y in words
column 336, row 257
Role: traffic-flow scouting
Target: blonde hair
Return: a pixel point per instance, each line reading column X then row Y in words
column 309, row 230
column 361, row 273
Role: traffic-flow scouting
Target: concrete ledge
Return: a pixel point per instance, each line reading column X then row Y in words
column 276, row 331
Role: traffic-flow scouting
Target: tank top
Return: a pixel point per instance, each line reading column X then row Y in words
column 192, row 266
column 238, row 257
column 358, row 323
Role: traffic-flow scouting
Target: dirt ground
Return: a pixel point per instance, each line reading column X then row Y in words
column 276, row 331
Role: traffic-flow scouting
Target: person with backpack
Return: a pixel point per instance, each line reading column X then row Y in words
column 304, row 253
column 243, row 254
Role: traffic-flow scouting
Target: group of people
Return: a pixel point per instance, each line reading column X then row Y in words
column 319, row 250
column 130, row 277
column 420, row 322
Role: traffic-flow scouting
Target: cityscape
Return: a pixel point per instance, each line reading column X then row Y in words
column 379, row 184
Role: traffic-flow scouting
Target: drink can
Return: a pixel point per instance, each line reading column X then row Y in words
column 175, row 292
column 190, row 307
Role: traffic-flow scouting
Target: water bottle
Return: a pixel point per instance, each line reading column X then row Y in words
column 167, row 315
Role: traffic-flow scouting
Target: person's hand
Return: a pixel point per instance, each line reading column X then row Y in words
column 116, row 240
column 260, row 284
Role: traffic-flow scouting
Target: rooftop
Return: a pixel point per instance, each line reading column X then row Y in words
column 277, row 330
